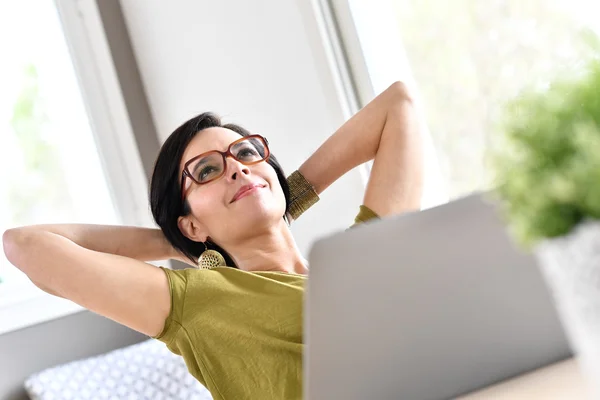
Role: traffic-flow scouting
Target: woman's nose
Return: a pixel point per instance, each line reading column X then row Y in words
column 235, row 169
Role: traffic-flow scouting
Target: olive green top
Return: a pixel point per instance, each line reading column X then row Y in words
column 239, row 332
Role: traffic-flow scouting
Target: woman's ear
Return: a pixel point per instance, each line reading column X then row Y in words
column 192, row 229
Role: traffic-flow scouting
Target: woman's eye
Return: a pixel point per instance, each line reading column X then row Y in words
column 246, row 153
column 205, row 173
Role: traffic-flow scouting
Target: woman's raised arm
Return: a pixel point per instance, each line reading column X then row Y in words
column 98, row 267
column 386, row 130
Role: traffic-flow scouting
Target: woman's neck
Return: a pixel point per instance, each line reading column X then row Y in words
column 271, row 250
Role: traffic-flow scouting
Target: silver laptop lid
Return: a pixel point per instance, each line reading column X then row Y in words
column 428, row 305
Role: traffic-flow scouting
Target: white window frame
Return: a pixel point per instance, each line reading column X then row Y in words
column 23, row 304
column 379, row 49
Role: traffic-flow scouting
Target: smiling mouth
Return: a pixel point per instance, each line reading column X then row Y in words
column 246, row 190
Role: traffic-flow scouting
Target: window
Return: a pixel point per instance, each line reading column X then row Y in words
column 465, row 58
column 60, row 159
column 50, row 169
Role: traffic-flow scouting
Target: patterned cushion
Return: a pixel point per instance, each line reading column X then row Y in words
column 146, row 370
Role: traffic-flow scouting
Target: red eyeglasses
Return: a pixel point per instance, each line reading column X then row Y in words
column 210, row 166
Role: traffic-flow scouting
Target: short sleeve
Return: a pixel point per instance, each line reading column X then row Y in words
column 177, row 286
column 365, row 214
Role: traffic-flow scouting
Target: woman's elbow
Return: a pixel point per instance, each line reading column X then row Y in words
column 15, row 243
column 9, row 243
column 399, row 92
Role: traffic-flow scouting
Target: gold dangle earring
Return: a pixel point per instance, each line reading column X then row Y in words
column 210, row 259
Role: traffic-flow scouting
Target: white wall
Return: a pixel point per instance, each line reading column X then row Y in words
column 259, row 63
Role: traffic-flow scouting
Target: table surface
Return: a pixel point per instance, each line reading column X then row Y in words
column 562, row 380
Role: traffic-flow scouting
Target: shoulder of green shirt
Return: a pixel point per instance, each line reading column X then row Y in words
column 303, row 196
column 365, row 214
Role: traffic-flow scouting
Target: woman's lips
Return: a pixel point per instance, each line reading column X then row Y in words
column 246, row 190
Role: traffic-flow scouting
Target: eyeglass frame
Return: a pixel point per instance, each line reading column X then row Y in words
column 187, row 174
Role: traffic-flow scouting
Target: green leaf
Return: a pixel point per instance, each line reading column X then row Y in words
column 546, row 162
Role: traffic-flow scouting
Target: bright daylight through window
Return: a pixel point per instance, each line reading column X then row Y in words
column 468, row 58
column 50, row 169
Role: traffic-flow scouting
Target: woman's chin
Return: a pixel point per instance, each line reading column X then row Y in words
column 260, row 200
column 259, row 210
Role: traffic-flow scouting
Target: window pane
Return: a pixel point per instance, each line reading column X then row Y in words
column 469, row 57
column 50, row 169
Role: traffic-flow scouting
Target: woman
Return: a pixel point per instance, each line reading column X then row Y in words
column 216, row 191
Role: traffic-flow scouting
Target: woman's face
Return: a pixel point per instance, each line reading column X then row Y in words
column 219, row 210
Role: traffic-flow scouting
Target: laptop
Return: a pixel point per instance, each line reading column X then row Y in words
column 425, row 306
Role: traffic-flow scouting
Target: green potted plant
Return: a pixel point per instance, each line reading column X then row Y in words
column 546, row 167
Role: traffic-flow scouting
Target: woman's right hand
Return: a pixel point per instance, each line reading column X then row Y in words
column 98, row 267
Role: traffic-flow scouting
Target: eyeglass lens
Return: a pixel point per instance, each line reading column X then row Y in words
column 211, row 166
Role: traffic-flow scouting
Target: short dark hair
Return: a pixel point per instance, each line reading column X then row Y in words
column 165, row 186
